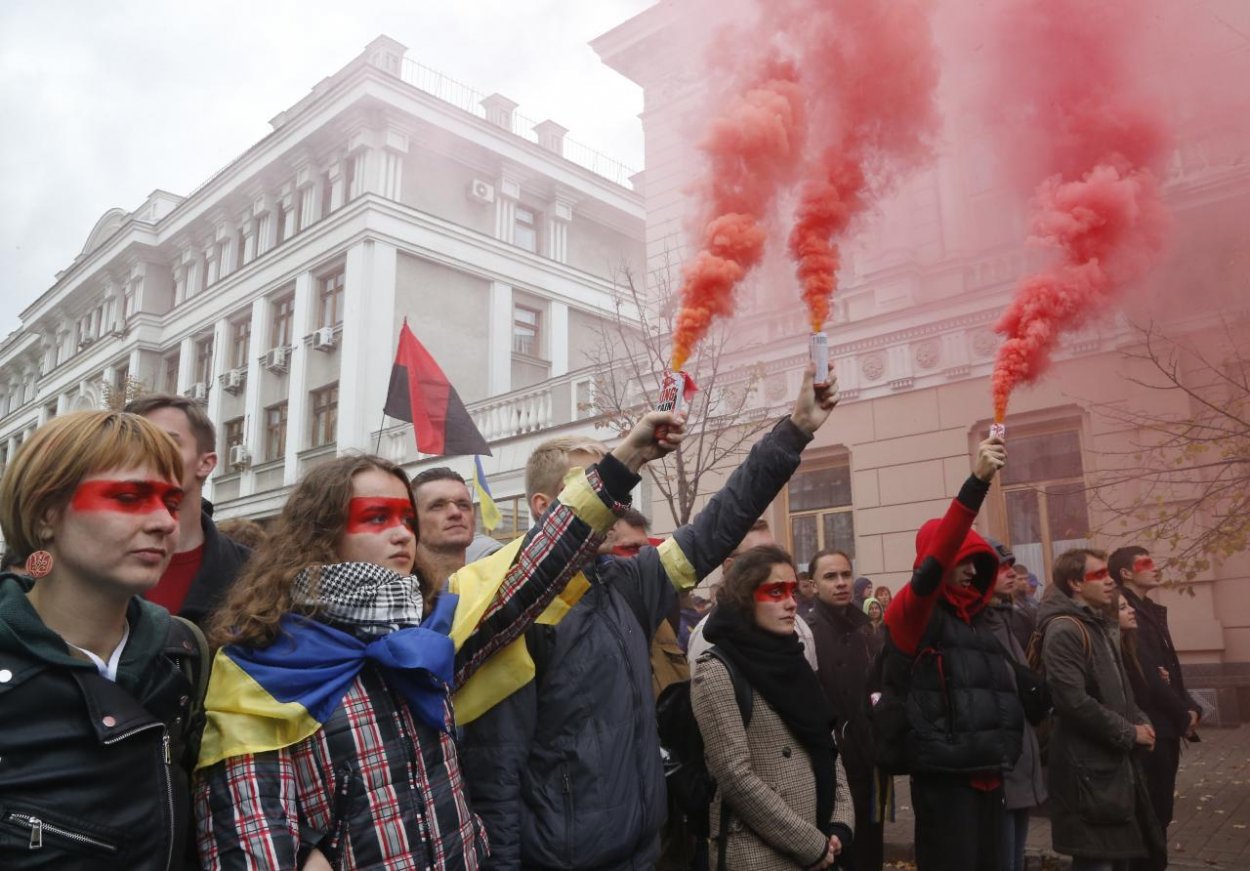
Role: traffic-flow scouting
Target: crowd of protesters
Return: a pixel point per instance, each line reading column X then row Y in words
column 365, row 683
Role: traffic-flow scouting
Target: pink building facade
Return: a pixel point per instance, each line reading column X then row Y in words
column 913, row 342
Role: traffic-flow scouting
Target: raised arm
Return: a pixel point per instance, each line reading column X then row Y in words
column 912, row 606
column 565, row 538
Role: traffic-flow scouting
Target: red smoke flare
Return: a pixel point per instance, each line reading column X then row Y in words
column 1095, row 142
column 753, row 147
column 872, row 70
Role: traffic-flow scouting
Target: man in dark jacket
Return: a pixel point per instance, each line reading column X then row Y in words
column 1172, row 711
column 846, row 646
column 1024, row 784
column 961, row 699
column 207, row 562
column 566, row 772
column 1099, row 816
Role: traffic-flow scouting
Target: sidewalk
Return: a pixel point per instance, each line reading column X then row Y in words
column 1212, row 825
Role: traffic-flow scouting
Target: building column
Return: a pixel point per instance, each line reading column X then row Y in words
column 214, row 265
column 221, row 335
column 248, row 229
column 193, row 281
column 395, row 149
column 558, row 338
column 508, row 192
column 297, row 422
column 499, row 339
column 308, row 188
column 226, row 240
column 180, row 284
column 287, row 202
column 559, row 215
column 186, row 362
column 253, row 409
column 368, row 347
column 334, row 172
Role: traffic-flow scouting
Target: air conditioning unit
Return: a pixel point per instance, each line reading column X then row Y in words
column 324, row 339
column 198, row 392
column 278, row 359
column 481, row 191
column 232, row 381
column 239, row 457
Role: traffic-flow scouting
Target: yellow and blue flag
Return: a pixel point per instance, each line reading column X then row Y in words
column 262, row 699
column 490, row 511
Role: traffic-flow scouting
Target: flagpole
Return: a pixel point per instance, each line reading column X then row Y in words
column 377, row 449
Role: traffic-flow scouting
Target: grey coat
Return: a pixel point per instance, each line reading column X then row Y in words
column 766, row 776
column 1094, row 791
column 567, row 773
column 1024, row 784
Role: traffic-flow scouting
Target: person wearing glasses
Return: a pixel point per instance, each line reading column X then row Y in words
column 1097, row 817
column 1171, row 709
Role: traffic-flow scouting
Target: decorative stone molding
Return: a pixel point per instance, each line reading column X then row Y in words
column 872, row 365
column 927, row 353
column 984, row 343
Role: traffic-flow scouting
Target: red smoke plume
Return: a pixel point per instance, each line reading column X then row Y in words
column 850, row 110
column 753, row 147
column 1094, row 142
column 873, row 71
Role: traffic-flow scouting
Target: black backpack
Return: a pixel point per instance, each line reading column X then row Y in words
column 685, row 768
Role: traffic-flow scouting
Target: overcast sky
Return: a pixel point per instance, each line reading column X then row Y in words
column 102, row 103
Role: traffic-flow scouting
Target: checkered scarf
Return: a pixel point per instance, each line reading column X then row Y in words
column 370, row 599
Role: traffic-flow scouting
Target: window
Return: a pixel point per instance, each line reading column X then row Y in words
column 283, row 321
column 204, row 360
column 525, row 230
column 275, row 431
column 240, row 341
column 233, row 432
column 525, row 334
column 818, row 502
column 325, row 415
column 1043, row 498
column 330, row 299
column 170, row 369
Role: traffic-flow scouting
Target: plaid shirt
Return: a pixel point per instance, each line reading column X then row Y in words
column 374, row 788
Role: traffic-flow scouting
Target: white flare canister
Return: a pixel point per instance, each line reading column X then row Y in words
column 818, row 353
column 998, row 431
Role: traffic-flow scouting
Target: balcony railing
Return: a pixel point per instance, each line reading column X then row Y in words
column 468, row 99
column 520, row 412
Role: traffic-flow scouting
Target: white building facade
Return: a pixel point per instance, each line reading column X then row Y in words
column 274, row 293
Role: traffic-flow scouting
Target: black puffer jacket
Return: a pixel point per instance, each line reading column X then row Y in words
column 90, row 770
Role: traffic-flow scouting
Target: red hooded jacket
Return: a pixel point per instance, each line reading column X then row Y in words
column 941, row 544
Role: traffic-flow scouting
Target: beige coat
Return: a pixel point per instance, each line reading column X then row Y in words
column 766, row 776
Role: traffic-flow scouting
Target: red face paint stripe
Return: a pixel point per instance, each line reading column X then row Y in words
column 374, row 514
column 127, row 497
column 775, row 591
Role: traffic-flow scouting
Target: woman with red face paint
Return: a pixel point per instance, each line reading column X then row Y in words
column 94, row 704
column 331, row 736
column 782, row 799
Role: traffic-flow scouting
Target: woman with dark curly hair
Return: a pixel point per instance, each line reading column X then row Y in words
column 782, row 799
column 331, row 734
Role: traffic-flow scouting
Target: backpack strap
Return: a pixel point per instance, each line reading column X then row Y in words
column 188, row 648
column 745, row 696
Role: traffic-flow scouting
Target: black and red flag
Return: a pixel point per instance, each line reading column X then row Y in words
column 421, row 394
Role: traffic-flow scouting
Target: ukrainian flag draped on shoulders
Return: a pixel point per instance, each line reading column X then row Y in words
column 269, row 698
column 264, row 699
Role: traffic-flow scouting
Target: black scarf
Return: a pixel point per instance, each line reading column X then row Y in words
column 775, row 668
